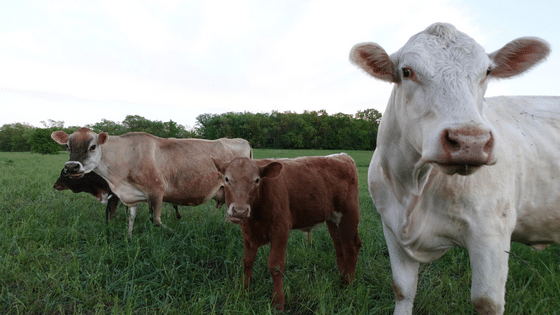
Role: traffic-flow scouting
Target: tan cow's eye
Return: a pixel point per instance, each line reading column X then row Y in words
column 227, row 179
column 92, row 148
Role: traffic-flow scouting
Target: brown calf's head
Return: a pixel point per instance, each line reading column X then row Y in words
column 84, row 147
column 242, row 181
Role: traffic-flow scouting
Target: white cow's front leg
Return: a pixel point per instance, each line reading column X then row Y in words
column 489, row 264
column 405, row 274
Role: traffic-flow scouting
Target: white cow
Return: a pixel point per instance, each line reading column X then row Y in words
column 452, row 168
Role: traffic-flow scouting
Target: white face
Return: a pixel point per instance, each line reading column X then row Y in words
column 437, row 105
column 439, row 101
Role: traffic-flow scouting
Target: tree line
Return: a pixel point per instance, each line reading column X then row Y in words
column 310, row 130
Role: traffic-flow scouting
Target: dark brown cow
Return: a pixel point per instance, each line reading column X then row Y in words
column 140, row 167
column 94, row 184
column 270, row 197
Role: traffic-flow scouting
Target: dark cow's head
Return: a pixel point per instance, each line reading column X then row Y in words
column 63, row 181
column 242, row 180
column 84, row 148
column 440, row 78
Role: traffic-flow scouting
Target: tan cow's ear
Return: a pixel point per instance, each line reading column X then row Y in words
column 102, row 138
column 219, row 165
column 271, row 170
column 60, row 137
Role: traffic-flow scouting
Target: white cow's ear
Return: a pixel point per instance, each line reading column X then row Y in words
column 518, row 56
column 60, row 137
column 373, row 59
column 102, row 138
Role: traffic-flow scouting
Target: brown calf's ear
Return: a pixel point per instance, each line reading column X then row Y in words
column 271, row 170
column 60, row 137
column 102, row 138
column 219, row 164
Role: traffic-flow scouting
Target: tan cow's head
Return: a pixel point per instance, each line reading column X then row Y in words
column 84, row 148
column 242, row 180
column 440, row 78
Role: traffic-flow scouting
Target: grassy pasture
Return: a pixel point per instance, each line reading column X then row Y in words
column 57, row 256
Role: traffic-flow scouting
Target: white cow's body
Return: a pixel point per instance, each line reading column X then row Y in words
column 437, row 128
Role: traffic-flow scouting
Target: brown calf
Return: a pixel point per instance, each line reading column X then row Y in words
column 268, row 198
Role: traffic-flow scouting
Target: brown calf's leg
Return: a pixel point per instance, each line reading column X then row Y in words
column 276, row 263
column 335, row 235
column 351, row 244
column 248, row 261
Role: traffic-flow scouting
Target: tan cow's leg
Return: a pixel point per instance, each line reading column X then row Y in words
column 155, row 203
column 179, row 216
column 131, row 217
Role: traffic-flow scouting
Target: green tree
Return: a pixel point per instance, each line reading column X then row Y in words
column 41, row 142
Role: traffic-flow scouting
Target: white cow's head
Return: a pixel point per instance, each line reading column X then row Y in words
column 84, row 148
column 440, row 78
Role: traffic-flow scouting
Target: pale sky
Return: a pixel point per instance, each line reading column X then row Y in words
column 82, row 61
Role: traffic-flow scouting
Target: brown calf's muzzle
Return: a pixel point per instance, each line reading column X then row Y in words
column 238, row 214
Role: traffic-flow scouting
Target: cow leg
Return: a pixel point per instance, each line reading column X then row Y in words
column 131, row 218
column 179, row 216
column 155, row 203
column 405, row 274
column 111, row 207
column 276, row 262
column 335, row 235
column 489, row 264
column 248, row 261
column 350, row 243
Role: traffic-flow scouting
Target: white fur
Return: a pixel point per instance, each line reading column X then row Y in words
column 425, row 211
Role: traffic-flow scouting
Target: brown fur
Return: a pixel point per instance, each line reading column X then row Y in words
column 271, row 197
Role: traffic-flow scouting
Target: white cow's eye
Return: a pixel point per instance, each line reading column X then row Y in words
column 407, row 72
column 488, row 70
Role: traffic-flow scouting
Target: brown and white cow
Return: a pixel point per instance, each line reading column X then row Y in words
column 270, row 197
column 140, row 167
column 453, row 168
column 98, row 187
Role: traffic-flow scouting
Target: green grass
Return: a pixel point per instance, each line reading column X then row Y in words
column 57, row 256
